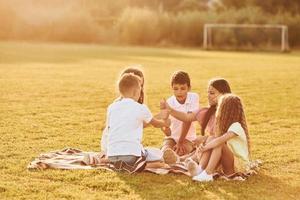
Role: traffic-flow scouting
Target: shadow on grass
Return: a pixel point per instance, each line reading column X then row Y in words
column 150, row 186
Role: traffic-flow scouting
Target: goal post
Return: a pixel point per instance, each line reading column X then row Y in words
column 207, row 32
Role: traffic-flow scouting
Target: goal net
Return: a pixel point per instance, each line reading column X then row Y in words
column 245, row 36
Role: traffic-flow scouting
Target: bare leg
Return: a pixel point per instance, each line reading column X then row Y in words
column 193, row 167
column 195, row 155
column 190, row 155
column 204, row 159
column 205, row 156
column 157, row 164
column 227, row 160
column 169, row 156
column 214, row 159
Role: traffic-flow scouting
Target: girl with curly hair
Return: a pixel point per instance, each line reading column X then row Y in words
column 230, row 145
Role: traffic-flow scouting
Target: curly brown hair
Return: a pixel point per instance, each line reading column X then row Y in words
column 230, row 110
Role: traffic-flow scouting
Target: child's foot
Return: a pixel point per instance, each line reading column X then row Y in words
column 170, row 157
column 86, row 159
column 193, row 168
column 203, row 177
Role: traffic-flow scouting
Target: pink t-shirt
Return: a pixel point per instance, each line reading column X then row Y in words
column 210, row 127
column 191, row 104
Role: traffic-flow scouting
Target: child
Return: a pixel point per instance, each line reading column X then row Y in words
column 136, row 71
column 205, row 116
column 230, row 146
column 180, row 135
column 125, row 119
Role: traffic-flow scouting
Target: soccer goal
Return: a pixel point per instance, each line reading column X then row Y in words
column 208, row 32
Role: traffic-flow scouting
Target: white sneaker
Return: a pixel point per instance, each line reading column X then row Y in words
column 170, row 157
column 193, row 168
column 203, row 177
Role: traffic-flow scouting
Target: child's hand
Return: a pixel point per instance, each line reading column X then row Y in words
column 202, row 148
column 199, row 140
column 167, row 123
column 164, row 114
column 179, row 149
column 162, row 104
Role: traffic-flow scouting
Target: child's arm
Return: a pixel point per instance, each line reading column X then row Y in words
column 199, row 140
column 158, row 123
column 162, row 115
column 182, row 116
column 217, row 141
column 167, row 131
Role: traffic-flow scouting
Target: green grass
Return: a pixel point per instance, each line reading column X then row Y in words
column 55, row 95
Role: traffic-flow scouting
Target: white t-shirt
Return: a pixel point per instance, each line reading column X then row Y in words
column 125, row 127
column 239, row 145
column 191, row 104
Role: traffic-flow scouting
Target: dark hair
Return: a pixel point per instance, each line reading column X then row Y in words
column 181, row 77
column 223, row 87
column 139, row 73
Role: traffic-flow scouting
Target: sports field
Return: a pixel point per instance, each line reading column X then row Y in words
column 54, row 96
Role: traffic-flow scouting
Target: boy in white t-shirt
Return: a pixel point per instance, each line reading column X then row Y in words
column 180, row 135
column 125, row 119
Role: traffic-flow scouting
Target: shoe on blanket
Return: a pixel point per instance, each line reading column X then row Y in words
column 203, row 177
column 170, row 157
column 193, row 168
column 86, row 159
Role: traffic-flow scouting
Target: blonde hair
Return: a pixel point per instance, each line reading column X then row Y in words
column 230, row 110
column 128, row 82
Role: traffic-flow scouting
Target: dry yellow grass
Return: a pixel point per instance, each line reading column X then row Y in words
column 54, row 96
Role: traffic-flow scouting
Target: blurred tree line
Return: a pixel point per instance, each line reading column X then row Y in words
column 270, row 6
column 149, row 22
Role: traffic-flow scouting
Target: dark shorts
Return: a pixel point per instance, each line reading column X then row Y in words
column 129, row 159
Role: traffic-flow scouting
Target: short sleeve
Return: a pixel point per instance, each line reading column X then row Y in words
column 146, row 114
column 170, row 101
column 237, row 129
column 194, row 105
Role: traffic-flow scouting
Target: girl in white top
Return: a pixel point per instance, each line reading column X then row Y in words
column 230, row 144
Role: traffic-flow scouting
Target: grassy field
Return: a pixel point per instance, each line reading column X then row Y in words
column 55, row 95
